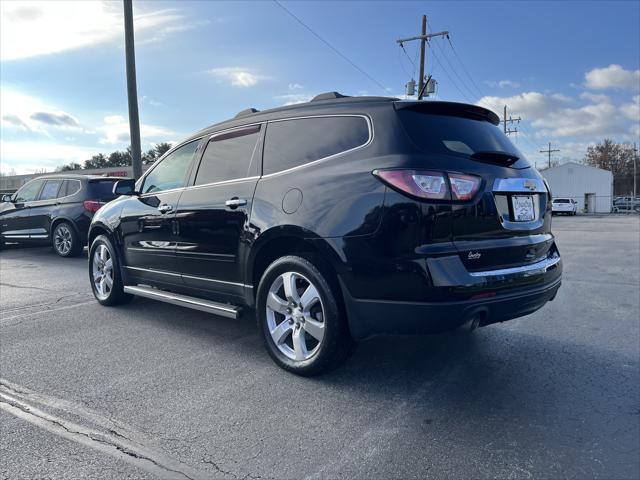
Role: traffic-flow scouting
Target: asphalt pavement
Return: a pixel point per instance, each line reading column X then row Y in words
column 150, row 390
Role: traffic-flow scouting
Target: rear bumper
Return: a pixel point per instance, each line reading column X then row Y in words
column 492, row 296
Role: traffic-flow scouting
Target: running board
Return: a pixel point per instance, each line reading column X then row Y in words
column 222, row 309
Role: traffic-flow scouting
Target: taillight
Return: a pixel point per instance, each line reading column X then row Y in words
column 92, row 206
column 432, row 185
column 419, row 183
column 463, row 187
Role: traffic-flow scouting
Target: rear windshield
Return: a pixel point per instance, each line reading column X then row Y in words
column 449, row 135
column 561, row 200
column 101, row 190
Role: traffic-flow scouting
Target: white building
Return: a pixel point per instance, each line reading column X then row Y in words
column 591, row 187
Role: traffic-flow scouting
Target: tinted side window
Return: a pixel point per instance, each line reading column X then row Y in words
column 29, row 192
column 70, row 187
column 228, row 156
column 291, row 143
column 171, row 172
column 50, row 190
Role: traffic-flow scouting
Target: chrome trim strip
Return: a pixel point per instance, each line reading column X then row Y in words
column 223, row 182
column 298, row 167
column 528, row 185
column 216, row 281
column 538, row 267
column 5, row 235
column 185, row 301
column 147, row 270
column 44, row 235
column 187, row 276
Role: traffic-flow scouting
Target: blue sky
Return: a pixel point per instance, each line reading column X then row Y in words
column 571, row 70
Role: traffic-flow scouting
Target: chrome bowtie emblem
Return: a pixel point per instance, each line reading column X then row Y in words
column 530, row 185
column 474, row 256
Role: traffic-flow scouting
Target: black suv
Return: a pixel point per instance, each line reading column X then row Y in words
column 54, row 209
column 335, row 220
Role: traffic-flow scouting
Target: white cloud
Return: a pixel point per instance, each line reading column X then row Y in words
column 503, row 83
column 295, row 86
column 613, row 76
column 557, row 115
column 590, row 120
column 33, row 28
column 236, row 76
column 595, row 97
column 28, row 157
column 528, row 104
column 632, row 110
column 116, row 130
column 113, row 119
column 26, row 112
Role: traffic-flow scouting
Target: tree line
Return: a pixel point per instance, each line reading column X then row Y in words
column 618, row 158
column 118, row 158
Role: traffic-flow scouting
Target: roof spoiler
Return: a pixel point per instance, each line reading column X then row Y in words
column 450, row 108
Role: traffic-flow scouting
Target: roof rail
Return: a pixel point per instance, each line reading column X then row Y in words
column 328, row 96
column 246, row 112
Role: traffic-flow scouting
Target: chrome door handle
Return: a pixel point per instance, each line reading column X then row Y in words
column 235, row 202
column 164, row 208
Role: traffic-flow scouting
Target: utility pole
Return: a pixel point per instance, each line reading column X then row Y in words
column 132, row 90
column 635, row 160
column 509, row 131
column 424, row 37
column 422, row 48
column 549, row 151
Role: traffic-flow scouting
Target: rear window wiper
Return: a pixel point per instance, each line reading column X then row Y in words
column 495, row 156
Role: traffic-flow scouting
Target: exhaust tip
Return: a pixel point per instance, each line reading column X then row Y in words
column 472, row 323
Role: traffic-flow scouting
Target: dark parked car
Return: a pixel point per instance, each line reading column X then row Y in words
column 336, row 220
column 55, row 209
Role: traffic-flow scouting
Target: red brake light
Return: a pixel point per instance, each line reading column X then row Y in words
column 463, row 187
column 419, row 183
column 92, row 206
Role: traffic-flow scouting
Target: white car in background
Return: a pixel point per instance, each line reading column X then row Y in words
column 564, row 205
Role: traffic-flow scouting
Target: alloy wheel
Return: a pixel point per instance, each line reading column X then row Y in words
column 295, row 316
column 63, row 239
column 102, row 271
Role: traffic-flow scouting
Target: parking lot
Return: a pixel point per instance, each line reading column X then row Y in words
column 150, row 390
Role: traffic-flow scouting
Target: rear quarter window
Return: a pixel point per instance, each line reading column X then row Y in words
column 295, row 142
column 70, row 187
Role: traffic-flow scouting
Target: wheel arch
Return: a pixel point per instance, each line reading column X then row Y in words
column 282, row 241
column 99, row 229
column 58, row 220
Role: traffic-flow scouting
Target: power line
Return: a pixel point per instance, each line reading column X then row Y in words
column 464, row 68
column 450, row 77
column 462, row 82
column 338, row 52
column 549, row 151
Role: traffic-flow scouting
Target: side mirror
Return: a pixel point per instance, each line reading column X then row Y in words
column 125, row 187
column 7, row 197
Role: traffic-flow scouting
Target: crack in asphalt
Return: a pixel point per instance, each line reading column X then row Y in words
column 137, row 454
column 116, row 435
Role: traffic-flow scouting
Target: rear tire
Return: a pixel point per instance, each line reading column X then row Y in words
column 301, row 318
column 65, row 240
column 105, row 274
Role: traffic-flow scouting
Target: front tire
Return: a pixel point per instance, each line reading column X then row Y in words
column 300, row 317
column 104, row 273
column 65, row 240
